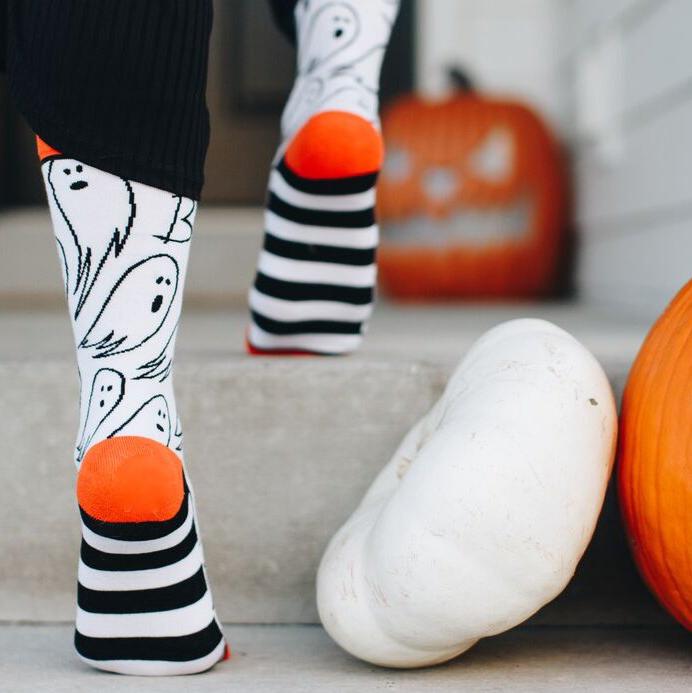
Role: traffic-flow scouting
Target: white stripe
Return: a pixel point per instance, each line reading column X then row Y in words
column 279, row 309
column 124, row 580
column 159, row 624
column 329, row 203
column 305, row 271
column 143, row 667
column 107, row 545
column 323, row 235
column 319, row 343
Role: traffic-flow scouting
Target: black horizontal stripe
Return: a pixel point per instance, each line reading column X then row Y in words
column 100, row 560
column 305, row 326
column 183, row 648
column 327, row 186
column 136, row 531
column 318, row 253
column 302, row 291
column 357, row 219
column 174, row 596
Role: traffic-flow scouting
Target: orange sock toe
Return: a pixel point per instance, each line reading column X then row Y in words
column 130, row 479
column 335, row 144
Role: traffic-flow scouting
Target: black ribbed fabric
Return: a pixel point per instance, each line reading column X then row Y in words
column 118, row 84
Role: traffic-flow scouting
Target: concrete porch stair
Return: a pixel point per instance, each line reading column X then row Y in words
column 280, row 451
column 302, row 659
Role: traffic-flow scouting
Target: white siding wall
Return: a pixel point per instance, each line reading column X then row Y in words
column 615, row 77
column 634, row 208
column 509, row 46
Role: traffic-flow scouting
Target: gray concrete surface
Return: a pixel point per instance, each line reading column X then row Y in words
column 222, row 262
column 280, row 451
column 296, row 659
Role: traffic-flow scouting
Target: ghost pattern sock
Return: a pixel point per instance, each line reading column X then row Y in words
column 313, row 291
column 144, row 605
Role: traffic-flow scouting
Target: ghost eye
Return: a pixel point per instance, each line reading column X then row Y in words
column 79, row 168
column 168, row 282
column 110, row 387
column 493, row 161
column 397, row 165
column 159, row 280
column 67, row 171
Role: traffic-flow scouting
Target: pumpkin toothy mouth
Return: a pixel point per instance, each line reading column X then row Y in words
column 469, row 227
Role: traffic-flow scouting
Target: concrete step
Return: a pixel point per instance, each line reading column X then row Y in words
column 280, row 452
column 222, row 262
column 297, row 659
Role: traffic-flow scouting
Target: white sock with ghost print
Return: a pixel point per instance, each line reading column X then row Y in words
column 341, row 45
column 124, row 250
column 313, row 291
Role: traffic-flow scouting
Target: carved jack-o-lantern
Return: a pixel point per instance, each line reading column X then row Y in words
column 471, row 200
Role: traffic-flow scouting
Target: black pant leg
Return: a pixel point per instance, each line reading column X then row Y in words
column 119, row 84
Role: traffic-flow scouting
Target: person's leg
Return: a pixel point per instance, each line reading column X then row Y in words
column 144, row 606
column 316, row 273
column 123, row 226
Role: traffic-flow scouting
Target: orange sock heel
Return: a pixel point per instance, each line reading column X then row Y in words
column 130, row 479
column 335, row 144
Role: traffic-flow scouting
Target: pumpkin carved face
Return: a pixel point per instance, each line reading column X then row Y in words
column 471, row 200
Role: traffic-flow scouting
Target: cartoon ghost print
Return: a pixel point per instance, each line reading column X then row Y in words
column 152, row 419
column 106, row 393
column 332, row 29
column 145, row 293
column 341, row 46
column 88, row 232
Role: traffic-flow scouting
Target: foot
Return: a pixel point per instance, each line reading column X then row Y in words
column 143, row 604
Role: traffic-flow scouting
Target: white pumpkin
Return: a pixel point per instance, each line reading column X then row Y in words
column 486, row 508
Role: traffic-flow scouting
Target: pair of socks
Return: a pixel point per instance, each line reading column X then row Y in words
column 144, row 605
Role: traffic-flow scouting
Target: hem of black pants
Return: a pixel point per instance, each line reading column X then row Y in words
column 56, row 135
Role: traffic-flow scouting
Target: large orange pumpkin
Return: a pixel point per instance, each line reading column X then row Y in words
column 655, row 458
column 471, row 199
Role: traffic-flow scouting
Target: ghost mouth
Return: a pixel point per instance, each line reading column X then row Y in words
column 160, row 427
column 471, row 227
column 78, row 185
column 157, row 303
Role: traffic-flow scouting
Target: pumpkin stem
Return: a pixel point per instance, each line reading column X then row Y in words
column 460, row 79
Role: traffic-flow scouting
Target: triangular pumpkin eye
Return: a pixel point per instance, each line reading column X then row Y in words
column 397, row 164
column 493, row 160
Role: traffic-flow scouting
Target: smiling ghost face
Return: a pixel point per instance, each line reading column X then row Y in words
column 471, row 200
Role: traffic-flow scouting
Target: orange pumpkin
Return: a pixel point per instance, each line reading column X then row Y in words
column 471, row 199
column 655, row 458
